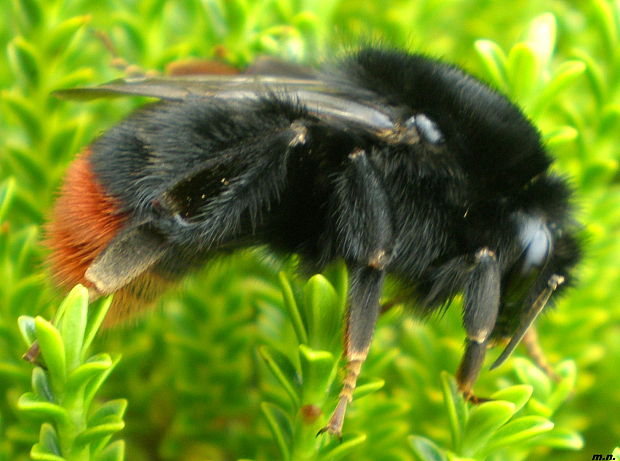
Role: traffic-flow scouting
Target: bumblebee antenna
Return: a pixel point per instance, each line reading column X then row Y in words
column 539, row 303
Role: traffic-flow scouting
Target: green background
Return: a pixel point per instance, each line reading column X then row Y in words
column 222, row 370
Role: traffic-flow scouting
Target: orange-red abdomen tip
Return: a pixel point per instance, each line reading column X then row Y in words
column 84, row 221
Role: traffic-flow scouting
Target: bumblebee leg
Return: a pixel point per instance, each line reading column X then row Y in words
column 360, row 326
column 364, row 234
column 480, row 313
column 530, row 341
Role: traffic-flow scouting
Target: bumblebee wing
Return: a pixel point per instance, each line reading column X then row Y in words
column 183, row 87
column 327, row 102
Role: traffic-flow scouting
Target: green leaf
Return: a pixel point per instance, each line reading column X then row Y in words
column 567, row 370
column 96, row 366
column 561, row 135
column 456, row 408
column 7, row 190
column 52, row 349
column 64, row 32
column 426, row 450
column 494, row 62
column 73, row 324
column 34, row 405
column 284, row 371
column 362, row 390
column 604, row 14
column 28, row 116
column 318, row 370
column 93, row 386
column 41, row 385
column 482, row 423
column 321, row 306
column 518, row 431
column 94, row 433
column 27, row 329
column 281, row 427
column 110, row 409
column 30, row 12
column 23, row 58
column 561, row 439
column 566, row 75
column 541, row 36
column 96, row 316
column 113, row 452
column 293, row 309
column 338, row 449
column 518, row 395
column 523, row 68
column 49, row 440
column 531, row 374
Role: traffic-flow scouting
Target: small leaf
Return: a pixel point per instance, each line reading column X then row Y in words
column 365, row 389
column 426, row 450
column 531, row 374
column 568, row 373
column 523, row 68
column 518, row 431
column 113, row 452
column 62, row 33
column 483, row 421
column 321, row 306
column 284, row 371
column 7, row 190
column 48, row 439
column 93, row 386
column 565, row 76
column 518, row 395
column 27, row 115
column 604, row 14
column 111, row 409
column 40, row 453
column 35, row 405
column 27, row 329
column 337, row 449
column 52, row 349
column 293, row 309
column 541, row 35
column 41, row 385
column 94, row 433
column 318, row 370
column 22, row 56
column 73, row 324
column 561, row 135
column 494, row 62
column 561, row 439
column 30, row 12
column 456, row 407
column 96, row 315
column 81, row 376
column 281, row 427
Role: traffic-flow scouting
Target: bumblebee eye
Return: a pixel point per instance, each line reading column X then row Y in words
column 428, row 129
column 535, row 240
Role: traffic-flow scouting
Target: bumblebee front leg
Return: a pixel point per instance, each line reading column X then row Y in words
column 363, row 230
column 480, row 313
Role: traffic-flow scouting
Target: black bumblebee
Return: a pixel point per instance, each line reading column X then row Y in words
column 397, row 163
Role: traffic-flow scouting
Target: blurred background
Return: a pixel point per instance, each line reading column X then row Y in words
column 220, row 370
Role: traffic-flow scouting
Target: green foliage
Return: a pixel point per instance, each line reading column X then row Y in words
column 64, row 387
column 243, row 362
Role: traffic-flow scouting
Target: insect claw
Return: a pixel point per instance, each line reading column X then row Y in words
column 469, row 396
column 336, row 421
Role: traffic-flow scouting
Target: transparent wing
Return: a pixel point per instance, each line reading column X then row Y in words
column 330, row 103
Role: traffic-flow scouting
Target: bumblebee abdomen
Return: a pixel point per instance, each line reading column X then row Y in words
column 84, row 220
